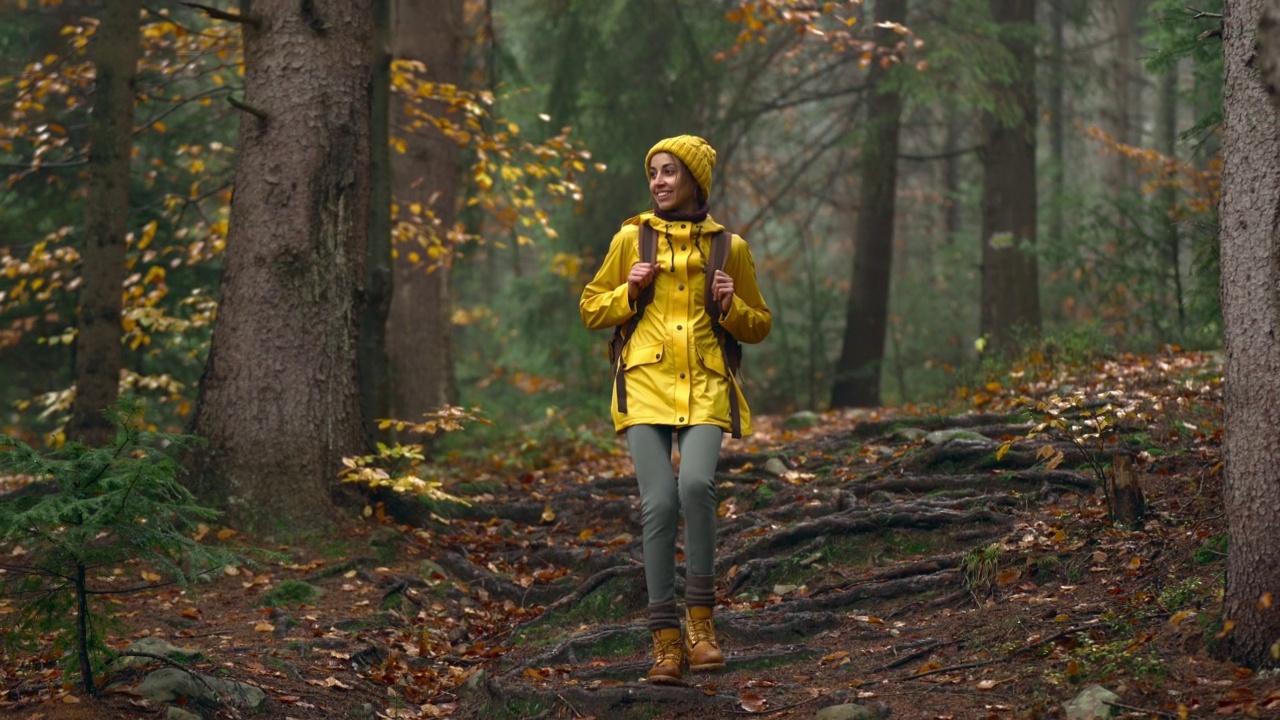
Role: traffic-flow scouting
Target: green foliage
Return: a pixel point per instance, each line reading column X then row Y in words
column 1212, row 549
column 93, row 510
column 979, row 567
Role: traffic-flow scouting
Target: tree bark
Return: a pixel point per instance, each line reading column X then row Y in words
column 375, row 381
column 98, row 356
column 420, row 327
column 1057, row 122
column 1168, row 137
column 1250, row 209
column 280, row 399
column 857, row 376
column 1010, row 286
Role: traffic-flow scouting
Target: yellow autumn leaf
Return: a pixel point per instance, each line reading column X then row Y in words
column 264, row 627
column 150, row 576
column 548, row 515
column 148, row 233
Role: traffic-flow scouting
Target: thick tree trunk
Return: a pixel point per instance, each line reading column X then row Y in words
column 1250, row 211
column 857, row 376
column 280, row 399
column 1010, row 287
column 419, row 327
column 98, row 357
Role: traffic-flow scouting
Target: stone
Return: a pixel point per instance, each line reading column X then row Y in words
column 848, row 711
column 775, row 467
column 169, row 684
column 1091, row 704
column 152, row 646
column 909, row 434
column 177, row 713
column 937, row 437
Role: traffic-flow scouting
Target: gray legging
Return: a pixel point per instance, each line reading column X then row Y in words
column 662, row 497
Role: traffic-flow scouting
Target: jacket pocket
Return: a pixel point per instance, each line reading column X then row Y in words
column 712, row 359
column 637, row 355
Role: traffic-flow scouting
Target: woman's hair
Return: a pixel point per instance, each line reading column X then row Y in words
column 698, row 196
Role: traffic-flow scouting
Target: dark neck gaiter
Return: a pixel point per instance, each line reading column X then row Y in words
column 695, row 216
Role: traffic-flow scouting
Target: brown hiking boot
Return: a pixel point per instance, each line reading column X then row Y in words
column 700, row 641
column 668, row 656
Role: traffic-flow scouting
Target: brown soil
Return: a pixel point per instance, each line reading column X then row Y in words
column 924, row 581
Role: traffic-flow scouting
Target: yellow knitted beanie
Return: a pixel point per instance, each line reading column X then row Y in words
column 694, row 152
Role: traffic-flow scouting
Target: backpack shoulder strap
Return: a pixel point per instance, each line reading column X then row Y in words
column 648, row 243
column 622, row 333
column 730, row 349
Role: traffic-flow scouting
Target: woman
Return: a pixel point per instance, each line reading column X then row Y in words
column 673, row 378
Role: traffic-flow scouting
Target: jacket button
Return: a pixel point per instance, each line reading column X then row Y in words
column 682, row 226
column 681, row 287
column 681, row 376
column 684, row 247
column 681, row 419
column 679, row 327
column 658, row 356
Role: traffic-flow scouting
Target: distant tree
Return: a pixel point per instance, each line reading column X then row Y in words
column 98, row 355
column 375, row 381
column 1010, row 284
column 426, row 183
column 857, row 381
column 279, row 401
column 1251, row 315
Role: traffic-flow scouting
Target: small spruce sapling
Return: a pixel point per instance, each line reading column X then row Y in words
column 98, row 509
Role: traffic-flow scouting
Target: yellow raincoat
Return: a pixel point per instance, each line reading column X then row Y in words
column 675, row 370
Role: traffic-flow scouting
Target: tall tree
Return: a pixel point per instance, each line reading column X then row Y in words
column 1251, row 317
column 375, row 381
column 98, row 354
column 857, row 381
column 1010, row 285
column 280, row 401
column 420, row 324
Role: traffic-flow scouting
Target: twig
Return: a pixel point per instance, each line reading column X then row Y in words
column 1144, row 711
column 992, row 661
column 217, row 14
column 1203, row 14
column 260, row 114
column 569, row 705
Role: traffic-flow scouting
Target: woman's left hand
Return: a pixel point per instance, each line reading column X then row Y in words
column 722, row 290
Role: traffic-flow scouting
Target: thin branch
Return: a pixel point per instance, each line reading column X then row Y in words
column 260, row 114
column 980, row 663
column 1203, row 14
column 217, row 14
column 177, row 106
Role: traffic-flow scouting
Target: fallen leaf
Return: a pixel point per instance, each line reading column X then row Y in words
column 201, row 531
column 226, row 533
column 151, row 577
column 753, row 703
column 264, row 627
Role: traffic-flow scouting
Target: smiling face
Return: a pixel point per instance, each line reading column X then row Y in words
column 671, row 185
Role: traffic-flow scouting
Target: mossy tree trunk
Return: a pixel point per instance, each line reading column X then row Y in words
column 1010, row 297
column 867, row 313
column 98, row 355
column 420, row 324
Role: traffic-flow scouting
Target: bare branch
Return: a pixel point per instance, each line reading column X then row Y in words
column 260, row 114
column 217, row 14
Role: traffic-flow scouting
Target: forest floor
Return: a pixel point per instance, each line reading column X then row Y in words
column 915, row 563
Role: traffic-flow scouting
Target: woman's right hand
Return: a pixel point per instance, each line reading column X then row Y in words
column 639, row 278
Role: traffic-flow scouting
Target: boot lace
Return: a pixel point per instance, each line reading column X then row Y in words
column 702, row 631
column 668, row 650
